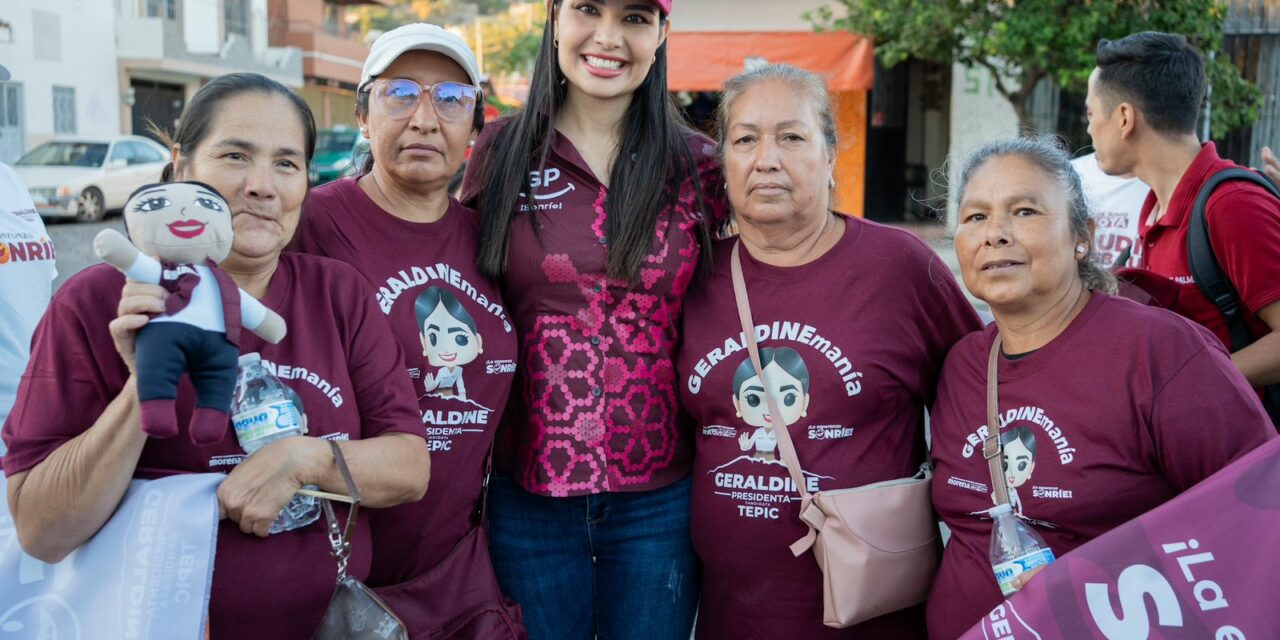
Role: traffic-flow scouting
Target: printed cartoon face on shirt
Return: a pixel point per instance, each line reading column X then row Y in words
column 179, row 222
column 1019, row 455
column 1028, row 435
column 787, row 378
column 449, row 340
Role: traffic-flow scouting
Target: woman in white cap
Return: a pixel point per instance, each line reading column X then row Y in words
column 420, row 106
column 596, row 206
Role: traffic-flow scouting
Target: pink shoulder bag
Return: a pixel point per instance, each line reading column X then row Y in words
column 877, row 544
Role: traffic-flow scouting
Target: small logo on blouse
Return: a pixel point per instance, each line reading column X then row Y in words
column 719, row 431
column 542, row 181
column 970, row 485
column 829, row 432
column 1050, row 492
column 27, row 214
column 28, row 251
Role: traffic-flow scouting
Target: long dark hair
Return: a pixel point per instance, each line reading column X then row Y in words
column 652, row 164
column 197, row 118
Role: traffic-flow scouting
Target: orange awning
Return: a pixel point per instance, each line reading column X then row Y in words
column 702, row 61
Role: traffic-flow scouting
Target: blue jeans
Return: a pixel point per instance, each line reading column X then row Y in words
column 617, row 566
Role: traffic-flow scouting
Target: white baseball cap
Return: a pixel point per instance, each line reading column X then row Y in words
column 418, row 36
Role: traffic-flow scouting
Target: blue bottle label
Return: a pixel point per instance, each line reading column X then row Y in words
column 267, row 420
column 1007, row 571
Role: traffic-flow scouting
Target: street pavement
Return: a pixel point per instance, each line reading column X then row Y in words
column 74, row 243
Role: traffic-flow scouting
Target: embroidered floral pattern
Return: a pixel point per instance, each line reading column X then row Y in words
column 599, row 387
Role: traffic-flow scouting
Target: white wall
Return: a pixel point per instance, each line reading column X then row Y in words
column 978, row 114
column 76, row 48
column 202, row 26
column 259, row 25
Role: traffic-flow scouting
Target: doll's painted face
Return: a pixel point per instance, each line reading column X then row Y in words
column 179, row 222
column 749, row 400
column 448, row 341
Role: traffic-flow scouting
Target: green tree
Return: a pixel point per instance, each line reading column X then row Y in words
column 1023, row 41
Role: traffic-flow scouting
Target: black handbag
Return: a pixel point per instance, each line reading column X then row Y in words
column 355, row 612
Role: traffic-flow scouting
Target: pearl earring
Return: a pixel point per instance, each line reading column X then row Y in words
column 1080, row 248
column 831, row 182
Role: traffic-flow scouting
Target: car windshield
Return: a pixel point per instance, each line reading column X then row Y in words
column 330, row 141
column 66, row 154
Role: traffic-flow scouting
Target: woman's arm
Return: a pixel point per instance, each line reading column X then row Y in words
column 1204, row 416
column 389, row 470
column 61, row 502
column 389, row 462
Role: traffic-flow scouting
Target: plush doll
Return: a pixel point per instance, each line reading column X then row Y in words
column 180, row 232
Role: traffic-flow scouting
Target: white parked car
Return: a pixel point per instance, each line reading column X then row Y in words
column 83, row 178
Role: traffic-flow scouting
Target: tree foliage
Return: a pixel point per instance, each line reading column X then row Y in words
column 509, row 31
column 1023, row 41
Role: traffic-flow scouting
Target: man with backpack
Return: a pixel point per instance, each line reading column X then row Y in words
column 1216, row 235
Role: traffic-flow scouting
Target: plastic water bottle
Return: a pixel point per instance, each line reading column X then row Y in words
column 1015, row 548
column 264, row 410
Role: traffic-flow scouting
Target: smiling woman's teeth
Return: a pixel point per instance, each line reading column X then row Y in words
column 602, row 63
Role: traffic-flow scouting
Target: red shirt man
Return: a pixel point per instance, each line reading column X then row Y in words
column 1143, row 101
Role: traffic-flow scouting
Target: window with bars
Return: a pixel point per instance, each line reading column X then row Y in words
column 64, row 110
column 235, row 15
column 161, row 9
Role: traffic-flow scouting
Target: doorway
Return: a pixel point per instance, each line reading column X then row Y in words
column 156, row 103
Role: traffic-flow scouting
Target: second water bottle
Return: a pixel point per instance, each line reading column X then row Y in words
column 264, row 410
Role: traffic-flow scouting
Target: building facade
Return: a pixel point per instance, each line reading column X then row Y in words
column 168, row 49
column 332, row 53
column 61, row 56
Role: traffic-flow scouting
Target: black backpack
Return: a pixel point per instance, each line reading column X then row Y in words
column 1211, row 280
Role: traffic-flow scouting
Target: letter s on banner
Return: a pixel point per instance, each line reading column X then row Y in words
column 1135, row 583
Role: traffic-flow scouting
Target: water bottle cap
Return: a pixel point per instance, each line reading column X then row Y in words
column 250, row 358
column 1000, row 509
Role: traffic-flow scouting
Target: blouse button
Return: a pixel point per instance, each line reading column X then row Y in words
column 595, row 339
column 603, row 240
column 596, row 288
column 596, row 391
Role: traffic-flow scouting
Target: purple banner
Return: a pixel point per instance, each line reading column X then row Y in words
column 1203, row 565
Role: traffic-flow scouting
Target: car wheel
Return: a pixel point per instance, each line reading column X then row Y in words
column 90, row 207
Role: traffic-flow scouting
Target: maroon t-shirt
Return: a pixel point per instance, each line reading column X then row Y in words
column 461, row 359
column 857, row 339
column 595, row 404
column 339, row 357
column 1244, row 229
column 1127, row 408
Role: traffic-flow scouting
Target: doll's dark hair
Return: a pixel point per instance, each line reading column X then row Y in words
column 153, row 185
